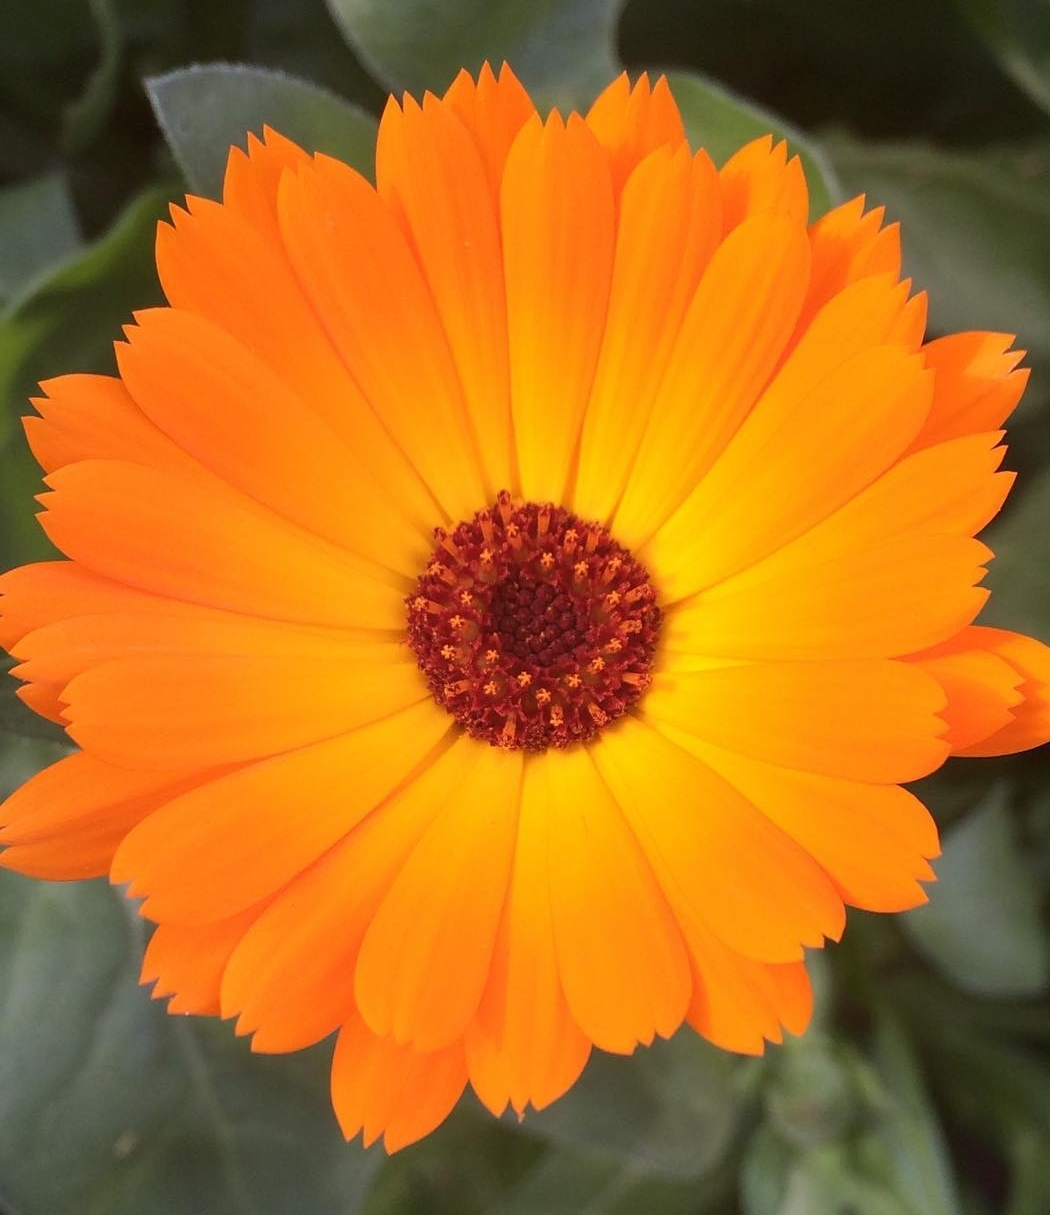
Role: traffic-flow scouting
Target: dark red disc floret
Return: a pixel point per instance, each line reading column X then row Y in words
column 534, row 628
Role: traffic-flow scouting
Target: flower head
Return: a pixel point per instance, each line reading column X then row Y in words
column 502, row 605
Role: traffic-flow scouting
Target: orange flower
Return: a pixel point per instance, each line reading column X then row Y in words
column 703, row 568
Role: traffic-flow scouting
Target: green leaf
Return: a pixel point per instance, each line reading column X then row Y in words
column 108, row 1106
column 975, row 230
column 1018, row 33
column 565, row 1183
column 38, row 229
column 916, row 1151
column 721, row 122
column 563, row 50
column 1019, row 577
column 204, row 111
column 85, row 117
column 982, row 927
column 672, row 1110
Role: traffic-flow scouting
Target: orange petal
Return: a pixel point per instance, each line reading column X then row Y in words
column 291, row 979
column 431, row 175
column 891, row 572
column 56, row 652
column 382, row 1088
column 891, row 599
column 425, row 959
column 229, row 410
column 48, row 592
column 45, row 699
column 68, row 820
column 524, row 1046
column 873, row 841
column 730, row 341
column 251, row 292
column 493, row 112
column 558, row 232
column 723, row 867
column 620, row 953
column 849, row 244
column 357, row 269
column 253, row 178
column 740, row 1004
column 630, row 121
column 236, row 839
column 160, row 532
column 798, row 448
column 975, row 387
column 210, row 708
column 186, row 962
column 92, row 417
column 872, row 720
column 670, row 223
column 760, row 180
column 1030, row 726
column 982, row 688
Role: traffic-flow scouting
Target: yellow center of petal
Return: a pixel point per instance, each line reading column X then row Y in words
column 534, row 628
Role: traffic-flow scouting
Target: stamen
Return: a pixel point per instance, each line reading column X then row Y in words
column 539, row 631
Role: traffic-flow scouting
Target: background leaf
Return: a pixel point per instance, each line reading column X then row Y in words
column 982, row 927
column 203, row 111
column 38, row 228
column 1018, row 32
column 171, row 1114
column 564, row 50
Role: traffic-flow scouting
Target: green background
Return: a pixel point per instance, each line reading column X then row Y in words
column 923, row 1087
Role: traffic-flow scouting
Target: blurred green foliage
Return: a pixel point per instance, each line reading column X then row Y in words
column 924, row 1086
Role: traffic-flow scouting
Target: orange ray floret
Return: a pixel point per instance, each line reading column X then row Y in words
column 500, row 606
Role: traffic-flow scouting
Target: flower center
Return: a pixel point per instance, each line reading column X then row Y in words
column 533, row 627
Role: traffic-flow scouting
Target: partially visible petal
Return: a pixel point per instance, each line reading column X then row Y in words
column 185, row 962
column 760, row 180
column 976, row 386
column 1030, row 724
column 493, row 110
column 631, row 121
column 382, row 1088
column 68, row 820
column 252, row 180
column 982, row 688
column 93, row 417
column 849, row 244
column 740, row 1004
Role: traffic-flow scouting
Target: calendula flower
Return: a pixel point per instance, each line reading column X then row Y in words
column 502, row 605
